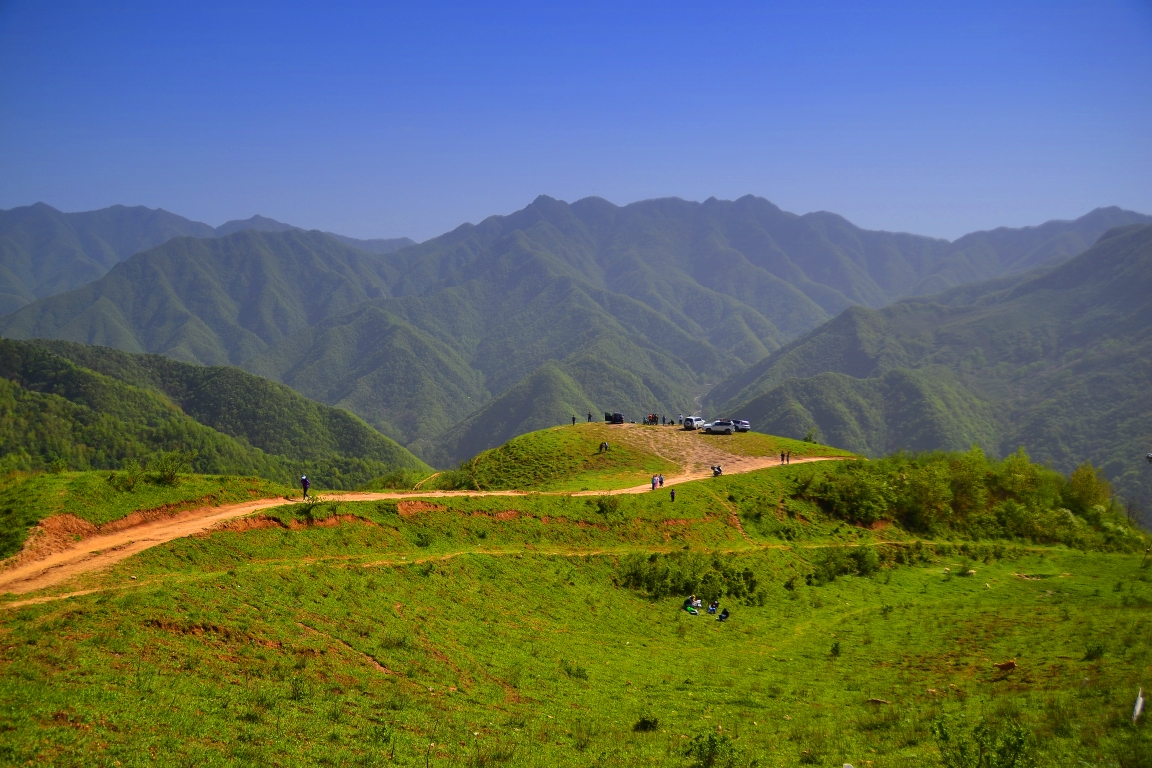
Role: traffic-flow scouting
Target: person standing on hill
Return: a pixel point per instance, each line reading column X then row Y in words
column 589, row 417
column 673, row 494
column 305, row 484
column 781, row 457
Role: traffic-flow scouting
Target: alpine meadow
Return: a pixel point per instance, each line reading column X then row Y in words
column 517, row 385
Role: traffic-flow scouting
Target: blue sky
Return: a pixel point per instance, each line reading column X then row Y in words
column 381, row 120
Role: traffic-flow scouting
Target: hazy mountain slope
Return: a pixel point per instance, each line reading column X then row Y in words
column 210, row 301
column 44, row 251
column 375, row 245
column 261, row 413
column 544, row 398
column 983, row 255
column 1058, row 361
column 265, row 224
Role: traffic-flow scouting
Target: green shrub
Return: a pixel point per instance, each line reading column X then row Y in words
column 1012, row 746
column 712, row 750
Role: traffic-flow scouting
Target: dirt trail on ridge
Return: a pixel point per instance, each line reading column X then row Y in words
column 64, row 557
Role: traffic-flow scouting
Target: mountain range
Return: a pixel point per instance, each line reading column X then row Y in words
column 1057, row 360
column 456, row 344
column 44, row 251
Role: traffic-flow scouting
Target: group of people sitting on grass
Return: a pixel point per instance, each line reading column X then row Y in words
column 693, row 604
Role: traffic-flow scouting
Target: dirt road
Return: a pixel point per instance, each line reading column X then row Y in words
column 67, row 558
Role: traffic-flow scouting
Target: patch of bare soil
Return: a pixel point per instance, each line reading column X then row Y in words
column 411, row 508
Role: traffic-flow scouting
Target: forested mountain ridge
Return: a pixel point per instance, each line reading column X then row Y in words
column 1057, row 360
column 94, row 408
column 44, row 251
column 636, row 308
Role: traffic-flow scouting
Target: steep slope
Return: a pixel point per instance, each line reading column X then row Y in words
column 44, row 251
column 136, row 405
column 1057, row 361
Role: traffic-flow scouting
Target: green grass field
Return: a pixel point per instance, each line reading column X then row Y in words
column 548, row 630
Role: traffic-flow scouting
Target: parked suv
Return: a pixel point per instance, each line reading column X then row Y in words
column 720, row 427
column 693, row 422
column 742, row 426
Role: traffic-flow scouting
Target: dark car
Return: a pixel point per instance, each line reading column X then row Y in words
column 617, row 418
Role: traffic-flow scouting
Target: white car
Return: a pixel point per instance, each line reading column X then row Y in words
column 693, row 422
column 720, row 427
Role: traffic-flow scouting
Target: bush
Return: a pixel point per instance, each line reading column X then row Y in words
column 984, row 746
column 712, row 750
column 682, row 573
column 646, row 724
column 168, row 465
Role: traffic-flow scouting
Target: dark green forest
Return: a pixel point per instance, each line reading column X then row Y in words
column 57, row 414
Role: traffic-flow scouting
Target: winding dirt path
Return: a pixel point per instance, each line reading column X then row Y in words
column 115, row 542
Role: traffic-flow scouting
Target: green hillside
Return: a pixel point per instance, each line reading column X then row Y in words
column 1056, row 361
column 639, row 307
column 868, row 603
column 262, row 413
column 58, row 413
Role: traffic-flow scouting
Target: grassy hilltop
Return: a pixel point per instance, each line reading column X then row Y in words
column 869, row 601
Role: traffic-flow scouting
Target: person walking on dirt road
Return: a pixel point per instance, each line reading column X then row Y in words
column 305, row 484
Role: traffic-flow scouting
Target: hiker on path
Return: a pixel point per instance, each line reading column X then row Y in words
column 661, row 480
column 781, row 457
column 789, row 457
column 653, row 482
column 305, row 484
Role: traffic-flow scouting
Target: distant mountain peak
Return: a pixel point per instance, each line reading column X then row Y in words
column 257, row 222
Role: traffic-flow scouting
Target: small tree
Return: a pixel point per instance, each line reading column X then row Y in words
column 168, row 465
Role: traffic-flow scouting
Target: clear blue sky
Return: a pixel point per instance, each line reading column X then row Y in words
column 392, row 119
